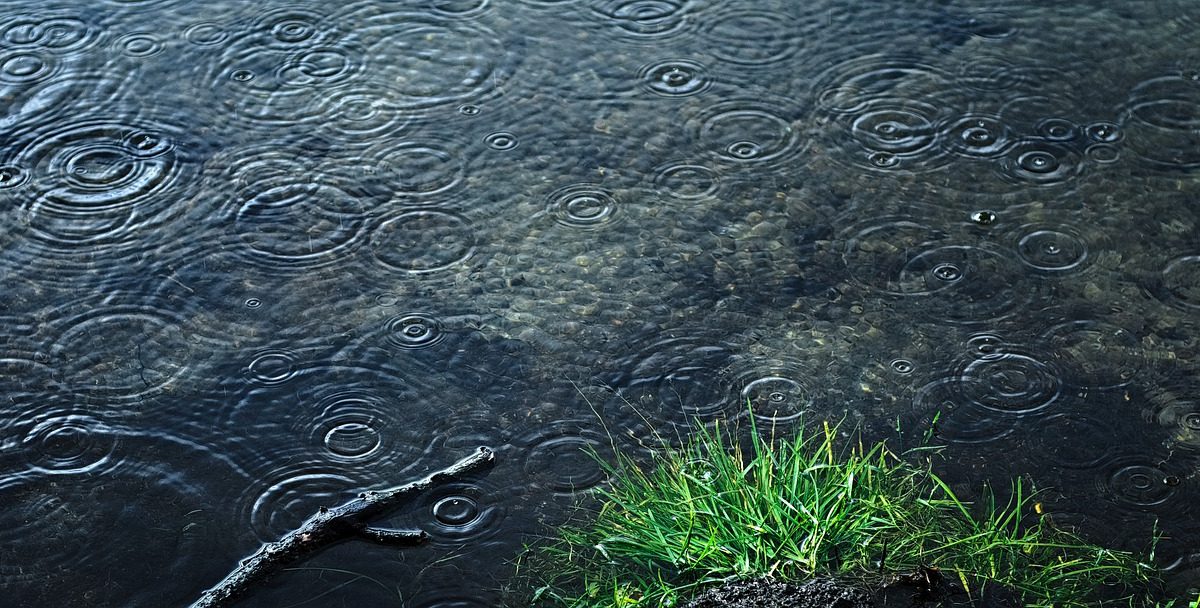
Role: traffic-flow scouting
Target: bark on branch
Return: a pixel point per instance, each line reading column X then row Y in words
column 329, row 525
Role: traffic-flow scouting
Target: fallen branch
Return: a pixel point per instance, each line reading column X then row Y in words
column 329, row 525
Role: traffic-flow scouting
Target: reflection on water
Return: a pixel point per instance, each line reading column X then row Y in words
column 256, row 257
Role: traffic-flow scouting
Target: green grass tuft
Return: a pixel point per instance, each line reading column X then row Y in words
column 711, row 511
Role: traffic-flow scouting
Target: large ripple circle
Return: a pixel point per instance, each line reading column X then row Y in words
column 1010, row 383
column 1180, row 281
column 1137, row 484
column 750, row 131
column 428, row 62
column 644, row 20
column 56, row 436
column 94, row 180
column 559, row 457
column 123, row 351
column 687, row 180
column 1052, row 249
column 461, row 513
column 298, row 224
column 1096, row 354
column 417, row 172
column 753, row 37
column 423, row 241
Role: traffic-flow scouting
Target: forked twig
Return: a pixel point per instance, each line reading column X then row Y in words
column 328, row 525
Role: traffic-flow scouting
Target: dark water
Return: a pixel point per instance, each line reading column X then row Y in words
column 257, row 256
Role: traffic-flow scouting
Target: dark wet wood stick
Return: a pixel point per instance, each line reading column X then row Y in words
column 329, row 525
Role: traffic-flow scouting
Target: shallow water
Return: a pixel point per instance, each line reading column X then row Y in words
column 257, row 257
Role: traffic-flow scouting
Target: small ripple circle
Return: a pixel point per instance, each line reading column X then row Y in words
column 205, row 34
column 12, row 176
column 456, row 510
column 1181, row 282
column 1052, row 250
column 585, row 206
column 140, row 44
column 272, row 367
column 558, row 458
column 1139, row 486
column 687, row 180
column 1040, row 163
column 501, row 140
column 414, row 330
column 351, row 439
column 26, row 67
column 976, row 136
column 675, row 78
column 776, row 399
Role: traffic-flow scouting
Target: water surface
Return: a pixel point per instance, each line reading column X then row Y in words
column 258, row 256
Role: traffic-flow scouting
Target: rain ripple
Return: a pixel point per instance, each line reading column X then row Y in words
column 583, row 206
column 645, row 21
column 1174, row 409
column 1010, row 383
column 286, row 212
column 461, row 513
column 750, row 131
column 1074, row 439
column 1138, row 484
column 757, row 38
column 290, row 495
column 977, row 136
column 55, row 435
column 848, row 87
column 205, row 33
column 680, row 376
column 140, row 44
column 423, row 61
column 280, row 69
column 124, row 347
column 1178, row 284
column 939, row 406
column 319, row 413
column 1164, row 116
column 24, row 369
column 558, row 457
column 460, row 9
column 424, row 172
column 889, row 135
column 1054, row 248
column 299, row 436
column 284, row 29
column 55, row 32
column 423, row 241
column 89, row 549
column 94, row 194
column 776, row 394
column 687, row 180
column 675, row 78
column 902, row 257
column 1096, row 355
column 22, row 68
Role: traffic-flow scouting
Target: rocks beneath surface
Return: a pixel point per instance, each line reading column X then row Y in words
column 923, row 589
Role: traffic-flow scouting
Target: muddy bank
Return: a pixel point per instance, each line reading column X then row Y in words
column 923, row 589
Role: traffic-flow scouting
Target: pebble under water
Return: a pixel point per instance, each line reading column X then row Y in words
column 256, row 257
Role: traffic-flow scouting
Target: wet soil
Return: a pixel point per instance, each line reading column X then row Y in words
column 925, row 589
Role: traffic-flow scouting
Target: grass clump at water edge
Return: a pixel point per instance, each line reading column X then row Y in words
column 711, row 512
